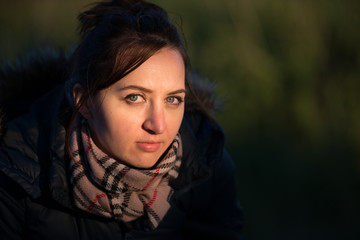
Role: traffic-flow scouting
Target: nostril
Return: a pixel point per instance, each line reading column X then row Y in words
column 153, row 128
column 150, row 131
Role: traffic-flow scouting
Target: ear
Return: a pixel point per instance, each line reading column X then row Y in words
column 78, row 92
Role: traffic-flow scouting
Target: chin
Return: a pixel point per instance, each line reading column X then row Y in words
column 145, row 162
column 144, row 165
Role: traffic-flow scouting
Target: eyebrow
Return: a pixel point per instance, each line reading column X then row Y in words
column 148, row 90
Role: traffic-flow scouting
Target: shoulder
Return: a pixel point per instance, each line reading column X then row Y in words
column 26, row 145
column 19, row 157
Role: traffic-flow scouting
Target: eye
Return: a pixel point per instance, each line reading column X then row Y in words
column 174, row 100
column 135, row 98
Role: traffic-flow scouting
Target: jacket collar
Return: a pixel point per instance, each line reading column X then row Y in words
column 202, row 143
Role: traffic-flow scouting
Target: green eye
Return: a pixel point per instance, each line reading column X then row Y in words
column 174, row 100
column 133, row 98
column 170, row 99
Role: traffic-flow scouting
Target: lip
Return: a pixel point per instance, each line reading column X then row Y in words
column 149, row 146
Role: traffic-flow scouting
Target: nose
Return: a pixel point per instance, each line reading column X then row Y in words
column 155, row 121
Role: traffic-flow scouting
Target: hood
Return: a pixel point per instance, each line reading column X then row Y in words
column 28, row 78
column 37, row 72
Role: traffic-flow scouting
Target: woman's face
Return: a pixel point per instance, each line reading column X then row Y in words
column 137, row 118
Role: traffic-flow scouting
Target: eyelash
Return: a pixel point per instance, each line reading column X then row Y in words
column 128, row 97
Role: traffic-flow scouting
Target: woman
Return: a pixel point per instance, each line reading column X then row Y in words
column 125, row 149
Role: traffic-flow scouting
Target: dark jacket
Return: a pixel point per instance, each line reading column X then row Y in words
column 35, row 200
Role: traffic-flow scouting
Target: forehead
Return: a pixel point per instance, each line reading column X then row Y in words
column 165, row 69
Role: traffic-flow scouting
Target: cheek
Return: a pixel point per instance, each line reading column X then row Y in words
column 113, row 134
column 121, row 126
column 174, row 121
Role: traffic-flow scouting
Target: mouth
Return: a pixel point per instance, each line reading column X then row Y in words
column 148, row 146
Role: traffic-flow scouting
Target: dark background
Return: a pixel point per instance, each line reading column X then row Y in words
column 288, row 72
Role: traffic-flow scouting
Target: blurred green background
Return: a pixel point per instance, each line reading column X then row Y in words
column 288, row 72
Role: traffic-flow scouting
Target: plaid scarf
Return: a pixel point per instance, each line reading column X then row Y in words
column 105, row 187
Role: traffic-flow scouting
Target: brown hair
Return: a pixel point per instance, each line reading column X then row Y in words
column 117, row 37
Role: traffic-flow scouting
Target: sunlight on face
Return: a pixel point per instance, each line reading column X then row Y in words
column 137, row 118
